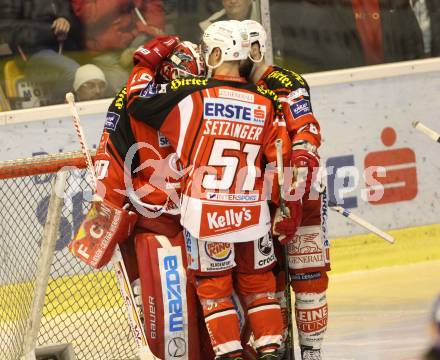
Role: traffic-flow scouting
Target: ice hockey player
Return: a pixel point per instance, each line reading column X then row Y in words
column 135, row 165
column 223, row 130
column 308, row 247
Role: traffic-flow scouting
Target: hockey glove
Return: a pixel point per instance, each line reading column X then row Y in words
column 104, row 226
column 285, row 226
column 154, row 51
column 305, row 162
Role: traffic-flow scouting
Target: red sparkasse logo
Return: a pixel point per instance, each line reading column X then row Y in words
column 217, row 218
column 259, row 113
column 399, row 183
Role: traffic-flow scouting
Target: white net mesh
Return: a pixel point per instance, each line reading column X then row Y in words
column 82, row 307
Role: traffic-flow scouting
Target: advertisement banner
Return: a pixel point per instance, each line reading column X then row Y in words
column 367, row 124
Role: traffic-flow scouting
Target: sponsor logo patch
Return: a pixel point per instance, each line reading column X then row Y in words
column 216, row 256
column 176, row 347
column 238, row 95
column 312, row 320
column 220, row 109
column 265, row 245
column 111, row 121
column 192, row 251
column 297, row 93
column 232, row 197
column 152, row 316
column 263, row 252
column 162, row 140
column 173, row 281
column 218, row 251
column 306, row 243
column 150, row 90
column 300, row 108
column 217, row 219
column 306, row 248
column 307, row 276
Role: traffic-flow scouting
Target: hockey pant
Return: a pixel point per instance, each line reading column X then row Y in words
column 221, row 317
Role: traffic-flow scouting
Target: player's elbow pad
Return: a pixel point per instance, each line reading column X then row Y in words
column 104, row 226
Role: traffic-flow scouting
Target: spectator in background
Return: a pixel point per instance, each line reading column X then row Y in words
column 428, row 15
column 434, row 351
column 90, row 83
column 244, row 10
column 334, row 34
column 38, row 31
column 113, row 29
column 233, row 10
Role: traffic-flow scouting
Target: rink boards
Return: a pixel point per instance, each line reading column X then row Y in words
column 365, row 115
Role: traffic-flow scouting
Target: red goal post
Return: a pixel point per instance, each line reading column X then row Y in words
column 82, row 306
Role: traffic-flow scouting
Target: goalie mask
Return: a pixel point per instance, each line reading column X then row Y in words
column 184, row 61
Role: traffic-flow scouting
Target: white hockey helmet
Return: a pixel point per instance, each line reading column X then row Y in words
column 256, row 33
column 230, row 36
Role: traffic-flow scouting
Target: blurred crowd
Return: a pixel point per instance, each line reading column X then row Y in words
column 50, row 47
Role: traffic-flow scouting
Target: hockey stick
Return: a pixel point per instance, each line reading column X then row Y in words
column 117, row 260
column 358, row 220
column 426, row 130
column 290, row 348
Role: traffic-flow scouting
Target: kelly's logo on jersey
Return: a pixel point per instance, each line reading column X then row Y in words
column 221, row 109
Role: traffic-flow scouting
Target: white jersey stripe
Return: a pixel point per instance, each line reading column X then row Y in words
column 264, row 308
column 266, row 340
column 227, row 347
column 138, row 87
column 186, row 109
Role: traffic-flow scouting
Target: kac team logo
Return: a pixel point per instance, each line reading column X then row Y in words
column 218, row 251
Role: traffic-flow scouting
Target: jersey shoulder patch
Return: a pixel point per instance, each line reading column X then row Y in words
column 116, row 110
column 120, row 101
column 281, row 78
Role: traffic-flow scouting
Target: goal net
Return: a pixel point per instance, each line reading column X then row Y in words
column 82, row 306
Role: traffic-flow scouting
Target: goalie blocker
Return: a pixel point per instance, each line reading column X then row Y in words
column 104, row 226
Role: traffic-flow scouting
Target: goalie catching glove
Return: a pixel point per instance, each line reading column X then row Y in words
column 104, row 226
column 154, row 51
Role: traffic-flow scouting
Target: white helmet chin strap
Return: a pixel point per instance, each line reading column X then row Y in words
column 212, row 67
column 254, row 60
